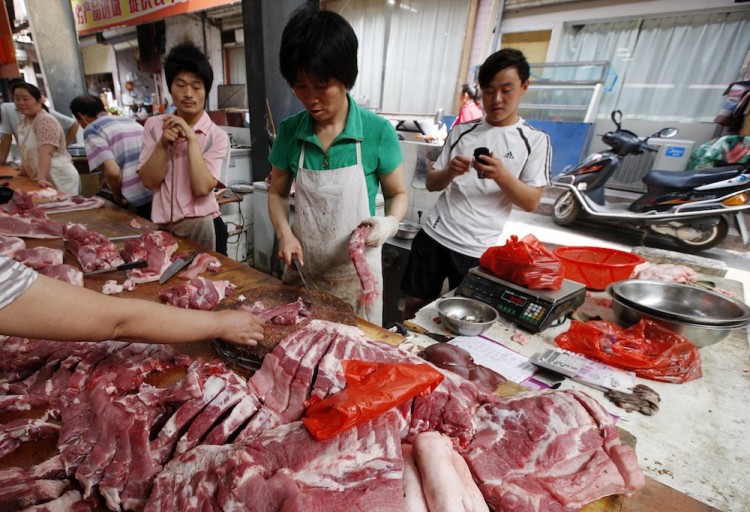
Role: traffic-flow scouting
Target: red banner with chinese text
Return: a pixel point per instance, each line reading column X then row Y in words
column 96, row 15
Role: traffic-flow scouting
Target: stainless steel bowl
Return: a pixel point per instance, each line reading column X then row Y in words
column 681, row 302
column 700, row 335
column 462, row 315
column 407, row 230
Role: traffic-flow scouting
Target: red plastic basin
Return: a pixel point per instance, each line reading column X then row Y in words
column 597, row 267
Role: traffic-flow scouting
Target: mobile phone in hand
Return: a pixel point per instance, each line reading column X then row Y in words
column 479, row 152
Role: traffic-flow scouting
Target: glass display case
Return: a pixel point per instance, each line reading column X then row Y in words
column 565, row 91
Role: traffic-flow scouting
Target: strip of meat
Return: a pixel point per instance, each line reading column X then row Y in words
column 17, row 432
column 29, row 227
column 200, row 264
column 71, row 501
column 357, row 255
column 235, row 389
column 50, row 469
column 32, row 492
column 66, row 203
column 287, row 314
column 240, row 414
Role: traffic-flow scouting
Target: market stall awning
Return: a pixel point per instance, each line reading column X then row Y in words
column 96, row 15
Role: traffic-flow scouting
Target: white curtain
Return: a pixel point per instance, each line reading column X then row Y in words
column 237, row 70
column 369, row 21
column 613, row 42
column 418, row 71
column 667, row 68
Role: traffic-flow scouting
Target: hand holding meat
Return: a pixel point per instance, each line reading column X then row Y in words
column 239, row 327
column 381, row 229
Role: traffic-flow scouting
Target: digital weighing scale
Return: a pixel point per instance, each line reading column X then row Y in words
column 534, row 310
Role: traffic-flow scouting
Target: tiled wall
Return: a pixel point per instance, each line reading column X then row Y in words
column 419, row 198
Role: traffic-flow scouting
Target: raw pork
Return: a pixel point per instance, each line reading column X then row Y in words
column 65, row 273
column 39, row 257
column 93, row 250
column 157, row 248
column 665, row 272
column 20, row 217
column 198, row 293
column 9, row 245
column 67, row 203
column 200, row 264
column 357, row 254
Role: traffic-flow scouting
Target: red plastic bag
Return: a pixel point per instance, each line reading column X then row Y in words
column 525, row 262
column 371, row 389
column 646, row 348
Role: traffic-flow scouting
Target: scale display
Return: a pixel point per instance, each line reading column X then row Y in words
column 534, row 310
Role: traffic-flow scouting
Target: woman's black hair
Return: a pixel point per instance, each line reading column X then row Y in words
column 471, row 90
column 86, row 104
column 319, row 43
column 505, row 58
column 186, row 57
column 30, row 88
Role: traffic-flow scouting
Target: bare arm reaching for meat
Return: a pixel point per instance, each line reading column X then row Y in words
column 51, row 309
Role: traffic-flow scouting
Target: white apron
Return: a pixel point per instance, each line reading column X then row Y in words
column 62, row 173
column 329, row 205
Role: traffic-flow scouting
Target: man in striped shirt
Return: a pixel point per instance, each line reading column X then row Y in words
column 114, row 144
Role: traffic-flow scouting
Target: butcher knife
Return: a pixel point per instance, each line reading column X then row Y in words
column 124, row 266
column 411, row 326
column 298, row 266
column 179, row 264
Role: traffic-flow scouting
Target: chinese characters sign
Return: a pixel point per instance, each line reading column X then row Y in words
column 96, row 15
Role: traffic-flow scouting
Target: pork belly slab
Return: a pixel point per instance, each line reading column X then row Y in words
column 216, row 441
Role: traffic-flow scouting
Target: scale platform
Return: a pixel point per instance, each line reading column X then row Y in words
column 534, row 310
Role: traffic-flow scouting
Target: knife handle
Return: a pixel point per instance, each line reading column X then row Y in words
column 133, row 264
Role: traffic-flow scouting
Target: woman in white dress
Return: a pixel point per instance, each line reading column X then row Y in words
column 41, row 142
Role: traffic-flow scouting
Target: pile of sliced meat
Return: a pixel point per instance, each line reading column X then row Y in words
column 216, row 441
column 156, row 248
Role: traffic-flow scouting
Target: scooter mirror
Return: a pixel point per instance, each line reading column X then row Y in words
column 617, row 118
column 666, row 133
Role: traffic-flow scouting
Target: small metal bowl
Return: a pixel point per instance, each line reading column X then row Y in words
column 407, row 230
column 700, row 335
column 462, row 315
column 681, row 302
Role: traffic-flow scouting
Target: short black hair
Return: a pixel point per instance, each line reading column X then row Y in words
column 86, row 105
column 186, row 57
column 505, row 58
column 319, row 43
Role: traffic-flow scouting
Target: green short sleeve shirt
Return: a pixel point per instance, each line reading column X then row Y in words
column 381, row 150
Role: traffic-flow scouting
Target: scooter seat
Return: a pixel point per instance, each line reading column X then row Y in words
column 691, row 179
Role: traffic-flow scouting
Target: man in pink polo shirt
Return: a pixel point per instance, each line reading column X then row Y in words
column 183, row 154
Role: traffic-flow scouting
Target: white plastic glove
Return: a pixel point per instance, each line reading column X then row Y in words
column 382, row 228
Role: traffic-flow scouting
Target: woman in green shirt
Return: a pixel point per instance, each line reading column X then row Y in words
column 338, row 154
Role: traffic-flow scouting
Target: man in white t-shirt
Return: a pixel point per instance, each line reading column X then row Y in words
column 478, row 194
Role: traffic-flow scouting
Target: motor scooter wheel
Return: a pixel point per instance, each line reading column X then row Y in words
column 566, row 209
column 707, row 238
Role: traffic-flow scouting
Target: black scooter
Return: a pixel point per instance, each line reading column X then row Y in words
column 692, row 207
